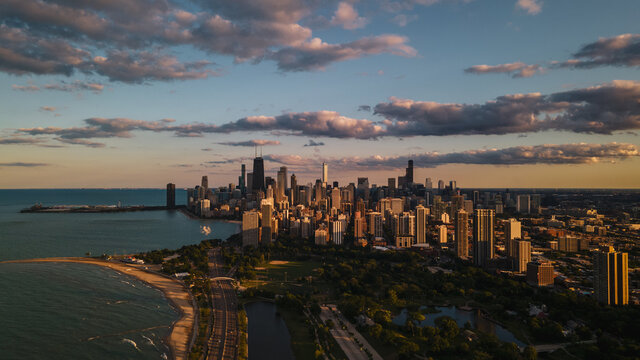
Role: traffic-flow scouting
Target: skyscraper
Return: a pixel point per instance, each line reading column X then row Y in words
column 524, row 204
column 281, row 184
column 258, row 175
column 325, row 173
column 611, row 276
column 375, row 224
column 428, row 184
column 205, row 184
column 408, row 177
column 293, row 194
column 440, row 185
column 512, row 231
column 442, row 234
column 250, row 228
column 540, row 273
column 421, row 224
column 335, row 198
column 483, row 236
column 171, row 196
column 243, row 179
column 523, row 255
column 462, row 234
column 267, row 226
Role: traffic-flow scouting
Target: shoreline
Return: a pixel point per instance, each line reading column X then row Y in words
column 180, row 335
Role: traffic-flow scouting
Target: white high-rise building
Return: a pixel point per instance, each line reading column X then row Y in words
column 375, row 224
column 523, row 255
column 325, row 173
column 337, row 232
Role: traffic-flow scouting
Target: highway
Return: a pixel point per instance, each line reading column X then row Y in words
column 223, row 343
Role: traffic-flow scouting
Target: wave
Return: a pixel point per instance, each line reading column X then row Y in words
column 129, row 341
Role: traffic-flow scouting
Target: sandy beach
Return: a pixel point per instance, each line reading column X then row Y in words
column 178, row 339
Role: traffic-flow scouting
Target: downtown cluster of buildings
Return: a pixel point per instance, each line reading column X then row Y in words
column 493, row 229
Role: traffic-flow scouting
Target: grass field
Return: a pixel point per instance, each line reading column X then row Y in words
column 281, row 275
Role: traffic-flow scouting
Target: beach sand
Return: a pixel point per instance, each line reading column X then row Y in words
column 178, row 340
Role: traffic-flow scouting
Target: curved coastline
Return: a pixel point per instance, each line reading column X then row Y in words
column 181, row 330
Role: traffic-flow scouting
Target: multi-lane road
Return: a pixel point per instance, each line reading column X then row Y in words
column 223, row 343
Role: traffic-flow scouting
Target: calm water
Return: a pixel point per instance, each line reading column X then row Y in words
column 268, row 334
column 461, row 317
column 61, row 311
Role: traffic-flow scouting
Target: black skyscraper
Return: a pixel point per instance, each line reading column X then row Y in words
column 408, row 177
column 171, row 196
column 258, row 174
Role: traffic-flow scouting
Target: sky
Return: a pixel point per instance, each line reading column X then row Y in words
column 139, row 93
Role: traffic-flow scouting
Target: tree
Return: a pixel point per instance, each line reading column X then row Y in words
column 448, row 327
column 530, row 353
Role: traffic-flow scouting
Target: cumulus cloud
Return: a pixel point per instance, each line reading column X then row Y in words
column 48, row 108
column 22, row 164
column 81, row 142
column 314, row 143
column 251, row 143
column 364, row 108
column 119, row 39
column 532, row 7
column 599, row 109
column 347, row 17
column 147, row 66
column 319, row 123
column 621, row 50
column 316, row 54
column 550, row 154
column 516, row 70
column 403, row 20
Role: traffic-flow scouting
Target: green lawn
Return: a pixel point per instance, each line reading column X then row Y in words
column 302, row 339
column 273, row 275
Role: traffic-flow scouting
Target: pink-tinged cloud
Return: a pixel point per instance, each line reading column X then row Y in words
column 317, row 55
column 550, row 154
column 347, row 17
column 516, row 69
column 532, row 7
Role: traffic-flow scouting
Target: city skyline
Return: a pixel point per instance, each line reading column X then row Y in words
column 511, row 94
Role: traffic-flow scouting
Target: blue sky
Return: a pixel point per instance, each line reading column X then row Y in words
column 366, row 56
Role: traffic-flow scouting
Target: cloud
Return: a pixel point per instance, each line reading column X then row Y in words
column 148, row 66
column 30, row 88
column 549, row 154
column 316, row 54
column 22, row 164
column 602, row 109
column 98, row 128
column 621, row 50
column 20, row 141
column 364, row 108
column 319, row 123
column 81, row 142
column 532, row 7
column 599, row 109
column 251, row 143
column 516, row 70
column 48, row 108
column 76, row 85
column 314, row 143
column 347, row 17
column 403, row 20
column 120, row 39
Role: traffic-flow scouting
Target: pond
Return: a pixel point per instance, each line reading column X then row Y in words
column 268, row 334
column 461, row 317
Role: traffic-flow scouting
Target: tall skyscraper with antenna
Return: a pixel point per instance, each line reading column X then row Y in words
column 258, row 173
